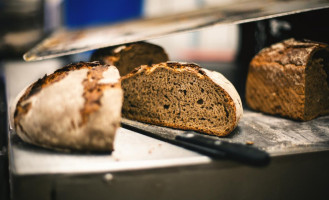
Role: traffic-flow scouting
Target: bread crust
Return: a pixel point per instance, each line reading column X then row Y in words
column 281, row 80
column 218, row 80
column 78, row 107
column 129, row 56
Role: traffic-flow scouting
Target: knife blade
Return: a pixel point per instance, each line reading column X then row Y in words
column 66, row 42
column 208, row 145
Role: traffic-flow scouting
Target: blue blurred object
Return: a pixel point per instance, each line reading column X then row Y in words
column 81, row 13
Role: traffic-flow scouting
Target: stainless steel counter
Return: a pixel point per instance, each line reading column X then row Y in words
column 133, row 151
column 142, row 167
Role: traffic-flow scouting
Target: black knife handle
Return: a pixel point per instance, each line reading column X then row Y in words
column 236, row 151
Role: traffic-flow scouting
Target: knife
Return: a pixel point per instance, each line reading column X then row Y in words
column 208, row 145
column 65, row 41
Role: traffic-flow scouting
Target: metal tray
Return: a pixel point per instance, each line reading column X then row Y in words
column 135, row 151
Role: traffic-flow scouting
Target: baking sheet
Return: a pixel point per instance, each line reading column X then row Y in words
column 65, row 42
column 135, row 151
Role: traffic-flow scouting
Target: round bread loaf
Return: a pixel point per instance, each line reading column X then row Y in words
column 291, row 79
column 129, row 56
column 78, row 107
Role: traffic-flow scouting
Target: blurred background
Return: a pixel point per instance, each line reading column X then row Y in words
column 25, row 22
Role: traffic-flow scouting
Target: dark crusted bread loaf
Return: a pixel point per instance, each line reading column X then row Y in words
column 77, row 107
column 129, row 56
column 183, row 96
column 290, row 79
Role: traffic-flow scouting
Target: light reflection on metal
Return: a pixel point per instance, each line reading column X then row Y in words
column 65, row 42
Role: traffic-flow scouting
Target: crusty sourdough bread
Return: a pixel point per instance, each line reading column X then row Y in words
column 77, row 107
column 129, row 56
column 290, row 79
column 183, row 96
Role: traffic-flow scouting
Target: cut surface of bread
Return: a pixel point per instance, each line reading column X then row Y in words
column 291, row 79
column 78, row 107
column 129, row 56
column 183, row 96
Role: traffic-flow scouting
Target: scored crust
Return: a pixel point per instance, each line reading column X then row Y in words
column 181, row 95
column 77, row 107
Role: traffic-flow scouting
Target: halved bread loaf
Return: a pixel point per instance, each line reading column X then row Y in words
column 183, row 96
column 77, row 107
column 290, row 79
column 129, row 56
